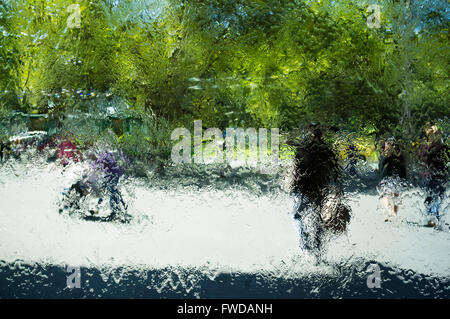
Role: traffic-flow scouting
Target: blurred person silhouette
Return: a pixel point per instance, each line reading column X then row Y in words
column 101, row 181
column 434, row 155
column 392, row 171
column 353, row 156
column 316, row 187
column 4, row 149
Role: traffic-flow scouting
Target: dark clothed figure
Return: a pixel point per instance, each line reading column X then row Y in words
column 315, row 180
column 393, row 174
column 3, row 150
column 434, row 154
column 353, row 157
column 316, row 169
column 393, row 165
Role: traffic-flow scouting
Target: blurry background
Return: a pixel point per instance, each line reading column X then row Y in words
column 231, row 63
column 134, row 70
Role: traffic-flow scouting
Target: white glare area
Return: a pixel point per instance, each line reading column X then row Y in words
column 226, row 230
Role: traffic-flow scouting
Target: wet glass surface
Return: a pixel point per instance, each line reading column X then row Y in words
column 345, row 194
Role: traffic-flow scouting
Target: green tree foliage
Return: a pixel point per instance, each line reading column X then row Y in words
column 234, row 62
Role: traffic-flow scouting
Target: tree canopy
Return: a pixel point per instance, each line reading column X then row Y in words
column 274, row 63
